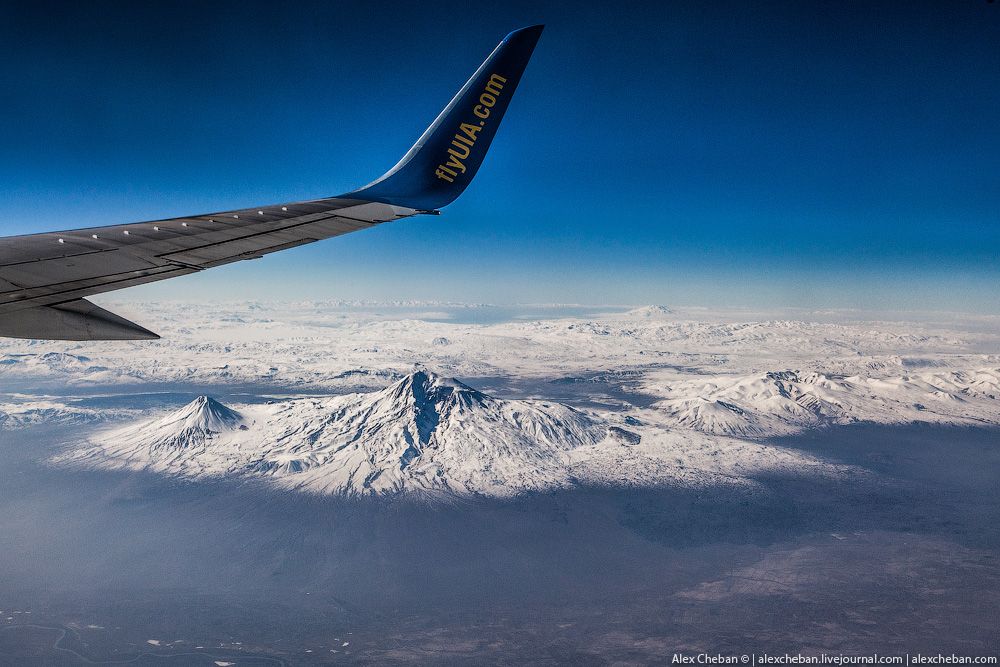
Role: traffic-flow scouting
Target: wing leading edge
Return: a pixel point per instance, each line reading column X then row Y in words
column 44, row 278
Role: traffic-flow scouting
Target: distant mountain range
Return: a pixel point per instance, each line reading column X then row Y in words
column 784, row 402
column 422, row 433
column 427, row 434
column 320, row 347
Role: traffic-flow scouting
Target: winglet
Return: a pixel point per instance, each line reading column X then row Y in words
column 438, row 168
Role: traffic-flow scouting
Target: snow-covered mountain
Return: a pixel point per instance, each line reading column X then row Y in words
column 14, row 416
column 653, row 312
column 426, row 432
column 193, row 426
column 433, row 435
column 782, row 402
column 422, row 433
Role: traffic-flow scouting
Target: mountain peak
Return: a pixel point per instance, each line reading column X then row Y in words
column 206, row 414
column 194, row 424
column 427, row 387
column 652, row 312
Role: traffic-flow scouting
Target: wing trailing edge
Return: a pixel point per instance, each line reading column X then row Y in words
column 74, row 320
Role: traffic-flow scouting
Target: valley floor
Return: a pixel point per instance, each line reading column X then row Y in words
column 599, row 576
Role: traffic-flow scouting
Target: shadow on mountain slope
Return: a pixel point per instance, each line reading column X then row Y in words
column 942, row 480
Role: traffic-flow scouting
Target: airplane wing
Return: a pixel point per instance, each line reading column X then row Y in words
column 44, row 278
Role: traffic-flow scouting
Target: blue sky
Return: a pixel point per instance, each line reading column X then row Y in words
column 812, row 154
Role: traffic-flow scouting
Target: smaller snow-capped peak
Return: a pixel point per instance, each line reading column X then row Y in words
column 205, row 414
column 193, row 425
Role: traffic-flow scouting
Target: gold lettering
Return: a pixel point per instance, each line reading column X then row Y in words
column 495, row 84
column 470, row 131
column 453, row 161
column 463, row 141
column 463, row 151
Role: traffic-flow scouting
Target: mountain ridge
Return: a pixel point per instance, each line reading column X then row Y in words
column 423, row 433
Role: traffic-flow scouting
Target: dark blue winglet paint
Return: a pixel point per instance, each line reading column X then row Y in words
column 438, row 168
